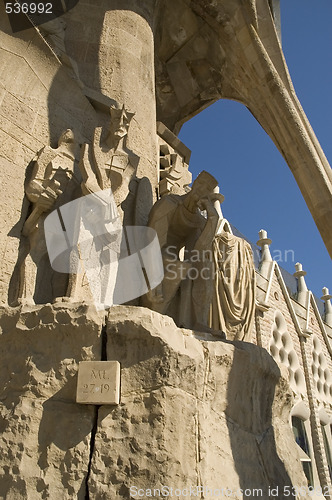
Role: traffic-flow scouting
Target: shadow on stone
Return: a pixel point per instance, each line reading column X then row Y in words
column 253, row 402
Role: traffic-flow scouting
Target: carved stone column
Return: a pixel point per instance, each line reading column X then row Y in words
column 126, row 74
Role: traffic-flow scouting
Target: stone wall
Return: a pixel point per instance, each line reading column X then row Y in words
column 38, row 101
column 312, row 378
column 192, row 413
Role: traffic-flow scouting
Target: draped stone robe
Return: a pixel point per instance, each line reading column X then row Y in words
column 233, row 304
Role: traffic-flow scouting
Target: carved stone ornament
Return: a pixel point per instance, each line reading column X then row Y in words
column 174, row 159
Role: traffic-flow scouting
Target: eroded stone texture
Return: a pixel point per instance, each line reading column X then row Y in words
column 192, row 412
column 212, row 413
column 45, row 434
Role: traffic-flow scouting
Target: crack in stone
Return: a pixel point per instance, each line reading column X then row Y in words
column 92, row 447
column 104, row 343
column 96, row 412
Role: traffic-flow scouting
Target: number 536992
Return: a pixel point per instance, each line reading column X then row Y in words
column 28, row 8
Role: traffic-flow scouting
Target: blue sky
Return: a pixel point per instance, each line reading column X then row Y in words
column 260, row 191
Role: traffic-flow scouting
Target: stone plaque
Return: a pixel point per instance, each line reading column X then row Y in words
column 98, row 383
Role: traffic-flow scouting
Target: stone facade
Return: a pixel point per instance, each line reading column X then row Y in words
column 196, row 410
column 291, row 327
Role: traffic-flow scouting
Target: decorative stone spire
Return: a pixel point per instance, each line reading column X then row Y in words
column 266, row 259
column 302, row 290
column 328, row 307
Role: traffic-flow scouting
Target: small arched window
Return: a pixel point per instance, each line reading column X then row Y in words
column 302, row 441
column 325, row 430
column 325, row 425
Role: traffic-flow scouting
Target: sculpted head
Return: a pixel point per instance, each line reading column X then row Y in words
column 120, row 121
column 203, row 185
column 67, row 137
column 71, row 141
column 202, row 188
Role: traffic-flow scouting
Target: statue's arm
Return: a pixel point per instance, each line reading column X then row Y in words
column 41, row 191
column 209, row 230
column 34, row 187
column 89, row 184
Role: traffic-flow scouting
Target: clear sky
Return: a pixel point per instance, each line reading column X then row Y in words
column 260, row 191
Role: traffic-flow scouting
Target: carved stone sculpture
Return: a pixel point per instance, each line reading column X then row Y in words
column 60, row 176
column 174, row 175
column 99, row 244
column 108, row 163
column 180, row 226
column 233, row 304
column 55, row 180
column 167, row 61
column 209, row 282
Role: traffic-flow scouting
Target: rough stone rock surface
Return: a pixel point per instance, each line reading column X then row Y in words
column 192, row 413
column 45, row 435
